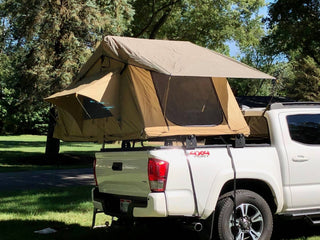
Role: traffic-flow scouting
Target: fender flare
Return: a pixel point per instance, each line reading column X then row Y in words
column 224, row 178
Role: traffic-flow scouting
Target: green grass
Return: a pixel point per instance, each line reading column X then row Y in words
column 68, row 204
column 36, row 143
column 69, row 211
column 26, row 152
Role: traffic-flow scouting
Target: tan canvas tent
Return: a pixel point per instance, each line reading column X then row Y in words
column 132, row 89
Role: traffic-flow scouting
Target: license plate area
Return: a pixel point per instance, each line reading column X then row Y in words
column 124, row 205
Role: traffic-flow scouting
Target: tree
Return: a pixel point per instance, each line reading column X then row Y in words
column 50, row 40
column 295, row 27
column 295, row 31
column 157, row 13
column 255, row 57
column 206, row 22
column 275, row 65
column 56, row 37
column 305, row 84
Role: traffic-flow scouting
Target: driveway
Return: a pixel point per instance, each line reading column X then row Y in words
column 45, row 178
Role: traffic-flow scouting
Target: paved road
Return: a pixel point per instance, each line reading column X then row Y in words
column 46, row 178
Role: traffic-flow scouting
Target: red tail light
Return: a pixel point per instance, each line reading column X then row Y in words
column 94, row 171
column 157, row 173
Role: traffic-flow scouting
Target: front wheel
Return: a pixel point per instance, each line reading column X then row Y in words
column 252, row 219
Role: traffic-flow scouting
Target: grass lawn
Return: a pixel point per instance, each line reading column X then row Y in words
column 69, row 211
column 26, row 152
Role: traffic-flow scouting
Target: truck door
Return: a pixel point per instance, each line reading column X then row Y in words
column 301, row 134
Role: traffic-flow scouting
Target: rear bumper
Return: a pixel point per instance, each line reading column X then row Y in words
column 156, row 207
column 152, row 206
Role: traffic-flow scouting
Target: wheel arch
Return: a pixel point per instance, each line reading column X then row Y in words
column 258, row 186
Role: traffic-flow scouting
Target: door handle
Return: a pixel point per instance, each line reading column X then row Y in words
column 300, row 158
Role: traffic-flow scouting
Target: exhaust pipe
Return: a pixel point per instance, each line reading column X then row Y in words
column 197, row 226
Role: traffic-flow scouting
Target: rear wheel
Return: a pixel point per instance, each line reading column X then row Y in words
column 252, row 219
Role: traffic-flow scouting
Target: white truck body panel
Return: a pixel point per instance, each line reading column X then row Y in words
column 196, row 177
column 131, row 180
column 210, row 173
column 303, row 167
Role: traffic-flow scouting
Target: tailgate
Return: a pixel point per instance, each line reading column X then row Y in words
column 123, row 173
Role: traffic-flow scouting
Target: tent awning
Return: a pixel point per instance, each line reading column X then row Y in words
column 175, row 58
column 93, row 87
column 101, row 88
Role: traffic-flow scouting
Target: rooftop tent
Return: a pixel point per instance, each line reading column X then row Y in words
column 141, row 89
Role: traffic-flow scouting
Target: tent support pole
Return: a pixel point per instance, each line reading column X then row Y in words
column 165, row 102
column 83, row 106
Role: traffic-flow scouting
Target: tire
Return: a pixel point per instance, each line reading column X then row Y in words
column 253, row 217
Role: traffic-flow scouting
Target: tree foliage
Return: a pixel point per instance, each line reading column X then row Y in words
column 55, row 37
column 47, row 42
column 206, row 22
column 256, row 57
column 294, row 31
column 305, row 84
column 295, row 27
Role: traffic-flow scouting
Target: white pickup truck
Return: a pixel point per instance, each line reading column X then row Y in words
column 235, row 184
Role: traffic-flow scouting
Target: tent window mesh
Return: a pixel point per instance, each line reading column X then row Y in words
column 188, row 101
column 94, row 109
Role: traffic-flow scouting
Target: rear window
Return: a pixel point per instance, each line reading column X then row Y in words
column 188, row 101
column 304, row 128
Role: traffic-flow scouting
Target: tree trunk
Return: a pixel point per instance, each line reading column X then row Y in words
column 53, row 144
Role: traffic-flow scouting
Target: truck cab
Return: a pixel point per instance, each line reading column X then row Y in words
column 296, row 133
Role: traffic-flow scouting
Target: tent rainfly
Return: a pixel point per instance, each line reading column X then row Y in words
column 137, row 89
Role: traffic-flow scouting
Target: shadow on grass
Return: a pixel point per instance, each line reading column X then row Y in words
column 39, row 202
column 36, row 144
column 20, row 157
column 22, row 144
column 294, row 229
column 68, row 232
column 38, row 158
column 26, row 152
column 142, row 232
column 22, row 161
column 19, row 229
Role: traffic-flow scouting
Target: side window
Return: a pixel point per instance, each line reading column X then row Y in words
column 304, row 128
